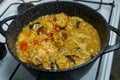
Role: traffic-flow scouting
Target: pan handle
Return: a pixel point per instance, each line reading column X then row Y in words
column 117, row 45
column 2, row 45
column 3, row 22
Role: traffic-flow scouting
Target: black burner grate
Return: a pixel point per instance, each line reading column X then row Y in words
column 100, row 3
column 1, row 1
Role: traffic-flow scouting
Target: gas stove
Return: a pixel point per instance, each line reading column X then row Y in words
column 10, row 69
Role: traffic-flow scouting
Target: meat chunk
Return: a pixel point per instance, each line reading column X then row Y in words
column 61, row 20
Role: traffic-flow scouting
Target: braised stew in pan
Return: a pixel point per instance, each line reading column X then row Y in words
column 57, row 41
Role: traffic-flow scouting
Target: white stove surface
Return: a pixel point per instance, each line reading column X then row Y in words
column 8, row 64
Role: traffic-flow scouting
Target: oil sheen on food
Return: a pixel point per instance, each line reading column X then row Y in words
column 57, row 41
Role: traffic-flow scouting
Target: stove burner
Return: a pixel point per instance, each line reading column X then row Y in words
column 2, row 51
column 1, row 1
column 24, row 7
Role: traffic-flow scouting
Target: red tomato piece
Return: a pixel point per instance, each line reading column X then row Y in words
column 46, row 39
column 57, row 28
column 23, row 46
column 35, row 41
